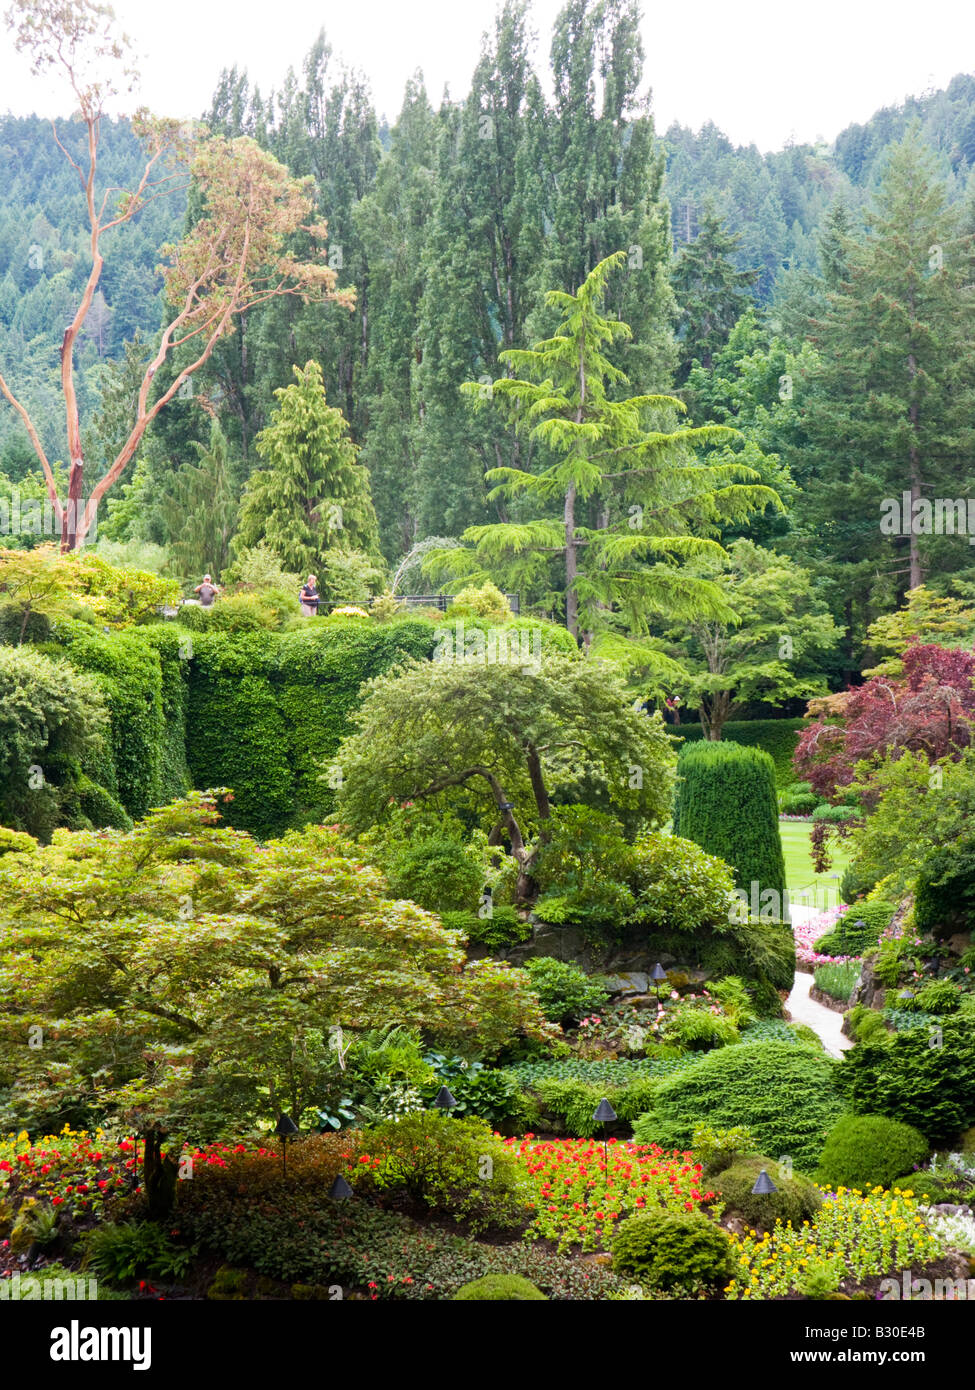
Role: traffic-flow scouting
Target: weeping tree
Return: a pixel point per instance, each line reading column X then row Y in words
column 621, row 497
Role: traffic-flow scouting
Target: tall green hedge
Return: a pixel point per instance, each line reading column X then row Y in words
column 726, row 802
column 778, row 737
column 129, row 671
column 266, row 711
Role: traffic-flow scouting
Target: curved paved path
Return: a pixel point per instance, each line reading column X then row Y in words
column 825, row 1022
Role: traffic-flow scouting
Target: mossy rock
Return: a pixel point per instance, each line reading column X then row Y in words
column 968, row 1140
column 321, row 1292
column 268, row 1288
column 500, row 1288
column 228, row 1284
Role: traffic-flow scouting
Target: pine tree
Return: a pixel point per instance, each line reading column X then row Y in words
column 312, row 496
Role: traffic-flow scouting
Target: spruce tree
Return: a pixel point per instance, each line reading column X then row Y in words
column 711, row 293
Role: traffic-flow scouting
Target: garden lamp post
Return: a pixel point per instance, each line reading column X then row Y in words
column 603, row 1114
column 764, row 1186
column 444, row 1101
column 285, row 1129
column 340, row 1189
column 657, row 974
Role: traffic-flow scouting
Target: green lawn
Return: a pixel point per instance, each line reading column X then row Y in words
column 818, row 890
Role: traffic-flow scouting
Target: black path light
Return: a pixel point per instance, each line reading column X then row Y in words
column 604, row 1114
column 764, row 1186
column 657, row 974
column 444, row 1101
column 285, row 1129
column 340, row 1189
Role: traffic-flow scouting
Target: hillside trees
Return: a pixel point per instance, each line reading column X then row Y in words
column 234, row 257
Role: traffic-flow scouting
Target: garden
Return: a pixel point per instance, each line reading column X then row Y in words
column 488, row 816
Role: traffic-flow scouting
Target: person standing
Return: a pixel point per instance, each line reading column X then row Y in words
column 207, row 592
column 309, row 597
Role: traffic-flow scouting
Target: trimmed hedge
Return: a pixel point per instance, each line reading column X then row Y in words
column 726, row 802
column 777, row 737
column 868, row 1151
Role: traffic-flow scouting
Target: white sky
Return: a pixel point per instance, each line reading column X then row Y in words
column 764, row 71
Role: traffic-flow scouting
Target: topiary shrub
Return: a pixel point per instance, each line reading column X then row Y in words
column 869, row 1150
column 727, row 804
column 778, row 738
column 783, row 1093
column 565, row 992
column 796, row 1199
column 857, row 930
column 499, row 1288
column 685, row 1250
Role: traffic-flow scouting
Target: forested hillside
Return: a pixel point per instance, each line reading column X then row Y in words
column 451, row 225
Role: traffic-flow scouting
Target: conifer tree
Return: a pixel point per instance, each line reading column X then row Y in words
column 311, row 496
column 711, row 293
column 653, row 500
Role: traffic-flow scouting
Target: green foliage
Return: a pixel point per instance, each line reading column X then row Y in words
column 783, row 1094
column 777, row 737
column 938, row 997
column 187, row 940
column 717, row 1149
column 795, row 1200
column 311, row 497
column 924, row 1187
column 490, row 1095
column 565, row 992
column 429, row 859
column 584, row 864
column 119, row 1253
column 51, row 721
column 697, row 1027
column 835, row 815
column 679, row 887
column 855, row 883
column 866, row 1025
column 443, row 1163
column 798, row 803
column 497, row 932
column 686, row 1251
column 485, row 602
column 905, row 1077
column 269, row 689
column 866, row 1151
column 726, row 802
column 508, row 1288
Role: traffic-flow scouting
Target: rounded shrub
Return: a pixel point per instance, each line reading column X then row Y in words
column 869, row 1151
column 679, row 1250
column 796, row 1199
column 784, row 1094
column 855, row 883
column 727, row 803
column 499, row 1288
column 924, row 1188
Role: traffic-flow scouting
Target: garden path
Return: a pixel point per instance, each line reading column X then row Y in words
column 824, row 1022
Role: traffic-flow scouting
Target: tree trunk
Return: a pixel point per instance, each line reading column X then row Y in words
column 571, row 598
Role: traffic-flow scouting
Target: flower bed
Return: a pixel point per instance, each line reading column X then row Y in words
column 579, row 1196
column 808, row 933
column 872, row 1234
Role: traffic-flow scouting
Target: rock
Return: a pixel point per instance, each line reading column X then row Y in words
column 643, row 1001
column 629, row 982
